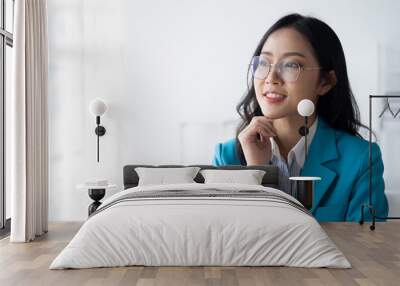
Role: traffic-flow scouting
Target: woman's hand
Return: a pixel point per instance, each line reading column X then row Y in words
column 254, row 140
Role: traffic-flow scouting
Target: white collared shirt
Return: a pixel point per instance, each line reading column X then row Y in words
column 295, row 160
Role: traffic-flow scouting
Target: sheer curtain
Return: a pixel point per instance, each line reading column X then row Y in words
column 28, row 150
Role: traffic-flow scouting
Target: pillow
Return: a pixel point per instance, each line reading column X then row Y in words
column 162, row 176
column 249, row 177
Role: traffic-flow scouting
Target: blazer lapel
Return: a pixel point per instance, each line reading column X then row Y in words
column 322, row 149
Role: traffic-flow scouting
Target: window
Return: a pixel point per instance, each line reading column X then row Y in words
column 6, row 44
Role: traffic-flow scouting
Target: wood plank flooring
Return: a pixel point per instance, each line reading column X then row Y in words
column 374, row 255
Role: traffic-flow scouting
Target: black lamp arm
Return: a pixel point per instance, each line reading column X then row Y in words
column 99, row 131
column 303, row 130
column 305, row 138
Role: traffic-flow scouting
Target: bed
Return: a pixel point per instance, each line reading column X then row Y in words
column 201, row 224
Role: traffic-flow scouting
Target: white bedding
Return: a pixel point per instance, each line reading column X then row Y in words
column 200, row 231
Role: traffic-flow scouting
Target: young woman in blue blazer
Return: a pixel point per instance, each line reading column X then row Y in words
column 302, row 58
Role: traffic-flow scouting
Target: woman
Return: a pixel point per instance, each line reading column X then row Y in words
column 302, row 58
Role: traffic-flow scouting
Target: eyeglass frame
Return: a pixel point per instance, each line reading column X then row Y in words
column 300, row 68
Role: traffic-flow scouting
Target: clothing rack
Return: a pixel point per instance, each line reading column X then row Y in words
column 370, row 205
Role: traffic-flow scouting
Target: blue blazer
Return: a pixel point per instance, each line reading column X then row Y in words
column 342, row 161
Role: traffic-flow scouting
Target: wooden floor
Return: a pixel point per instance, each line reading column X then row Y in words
column 374, row 255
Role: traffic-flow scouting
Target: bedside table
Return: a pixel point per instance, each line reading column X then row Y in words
column 96, row 193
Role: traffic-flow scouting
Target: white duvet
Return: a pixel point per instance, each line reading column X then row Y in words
column 200, row 231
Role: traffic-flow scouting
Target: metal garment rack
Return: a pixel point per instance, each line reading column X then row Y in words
column 370, row 205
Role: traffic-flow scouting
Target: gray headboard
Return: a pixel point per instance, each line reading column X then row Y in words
column 270, row 178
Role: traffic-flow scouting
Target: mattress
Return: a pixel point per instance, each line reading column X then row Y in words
column 201, row 225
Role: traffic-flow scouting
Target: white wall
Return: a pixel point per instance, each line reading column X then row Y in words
column 161, row 65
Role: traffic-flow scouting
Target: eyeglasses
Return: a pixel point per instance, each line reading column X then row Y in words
column 288, row 70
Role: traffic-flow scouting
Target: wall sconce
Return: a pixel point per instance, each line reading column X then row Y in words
column 97, row 107
column 305, row 185
column 305, row 108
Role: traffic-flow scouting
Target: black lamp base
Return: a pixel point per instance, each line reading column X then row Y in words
column 96, row 195
column 303, row 130
column 100, row 130
column 305, row 193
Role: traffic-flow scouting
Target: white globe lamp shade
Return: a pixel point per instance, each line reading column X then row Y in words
column 305, row 107
column 97, row 107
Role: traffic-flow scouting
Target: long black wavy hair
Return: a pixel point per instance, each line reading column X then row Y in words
column 338, row 107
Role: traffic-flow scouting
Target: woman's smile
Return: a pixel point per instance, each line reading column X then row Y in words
column 273, row 97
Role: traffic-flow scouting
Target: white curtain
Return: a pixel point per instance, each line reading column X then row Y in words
column 28, row 157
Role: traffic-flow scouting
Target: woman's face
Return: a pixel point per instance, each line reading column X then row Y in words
column 279, row 98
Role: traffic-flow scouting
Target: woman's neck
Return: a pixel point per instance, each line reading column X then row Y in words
column 287, row 129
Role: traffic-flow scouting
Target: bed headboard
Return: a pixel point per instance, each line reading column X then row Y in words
column 270, row 179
